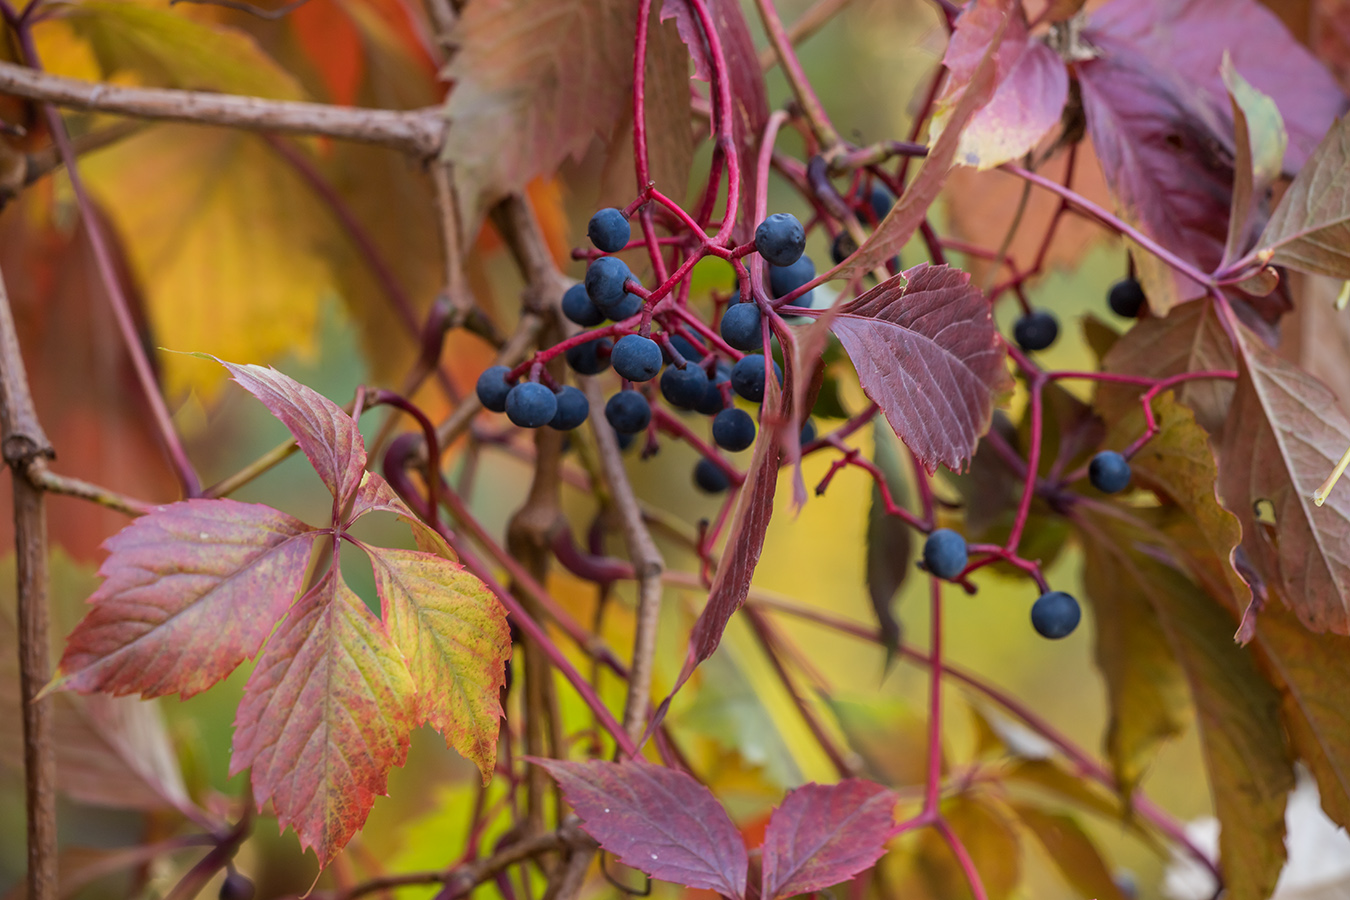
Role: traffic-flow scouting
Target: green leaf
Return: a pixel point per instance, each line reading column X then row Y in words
column 1260, row 139
column 453, row 633
column 1310, row 229
column 1072, row 852
column 325, row 714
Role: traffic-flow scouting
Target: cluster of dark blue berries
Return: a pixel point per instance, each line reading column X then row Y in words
column 1038, row 328
column 694, row 379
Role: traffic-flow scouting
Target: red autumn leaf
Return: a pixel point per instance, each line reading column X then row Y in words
column 453, row 633
column 928, row 353
column 326, row 713
column 190, row 591
column 657, row 820
column 326, row 434
column 824, row 834
column 376, row 496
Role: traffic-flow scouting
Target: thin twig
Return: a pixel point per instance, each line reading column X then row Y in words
column 811, row 21
column 40, row 475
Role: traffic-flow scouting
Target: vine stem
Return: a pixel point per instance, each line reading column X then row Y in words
column 811, row 106
column 173, row 446
column 933, row 782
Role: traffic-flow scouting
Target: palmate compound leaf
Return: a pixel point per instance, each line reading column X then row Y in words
column 453, row 634
column 926, row 350
column 824, row 834
column 657, row 820
column 326, row 713
column 189, row 591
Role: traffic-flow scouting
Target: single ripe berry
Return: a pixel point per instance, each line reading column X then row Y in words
column 236, row 886
column 713, row 402
column 1036, row 330
column 629, row 306
column 710, row 478
column 733, row 429
column 577, row 306
column 636, row 358
column 686, row 348
column 842, row 247
column 880, row 199
column 1109, row 472
column 808, row 432
column 747, row 376
column 740, row 326
column 1055, row 614
column 609, row 230
column 605, row 278
column 780, row 239
column 493, row 387
column 783, row 280
column 590, row 358
column 573, row 408
column 628, row 412
column 1126, row 298
column 530, row 405
column 684, row 388
column 944, row 553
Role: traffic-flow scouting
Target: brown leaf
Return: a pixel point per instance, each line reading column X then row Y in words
column 1072, row 851
column 1310, row 229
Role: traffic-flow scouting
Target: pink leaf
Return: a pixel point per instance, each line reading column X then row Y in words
column 190, row 591
column 824, row 834
column 657, row 820
column 686, row 22
column 928, row 353
column 325, row 714
column 326, row 434
column 376, row 496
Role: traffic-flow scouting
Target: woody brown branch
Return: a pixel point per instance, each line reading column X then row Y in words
column 416, row 131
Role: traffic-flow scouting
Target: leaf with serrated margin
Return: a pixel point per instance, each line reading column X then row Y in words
column 1310, row 229
column 657, row 820
column 1260, row 141
column 1284, row 434
column 535, row 81
column 1031, row 87
column 375, row 496
column 824, row 834
column 189, row 591
column 928, row 353
column 1073, row 852
column 899, row 225
column 1145, row 685
column 453, row 633
column 327, row 436
column 326, row 713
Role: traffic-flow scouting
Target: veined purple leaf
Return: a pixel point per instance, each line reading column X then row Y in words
column 657, row 820
column 326, row 434
column 824, row 834
column 927, row 352
column 189, row 591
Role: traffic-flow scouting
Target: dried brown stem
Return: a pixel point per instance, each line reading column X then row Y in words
column 40, row 475
column 23, row 442
column 416, row 131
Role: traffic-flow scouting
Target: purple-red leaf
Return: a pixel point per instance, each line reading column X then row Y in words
column 325, row 714
column 657, row 820
column 190, row 591
column 824, row 834
column 453, row 633
column 326, row 434
column 927, row 352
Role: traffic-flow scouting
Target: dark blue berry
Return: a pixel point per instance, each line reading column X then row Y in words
column 636, row 358
column 881, row 200
column 1126, row 298
column 609, row 231
column 740, row 326
column 1109, row 472
column 808, row 432
column 605, row 280
column 783, row 280
column 842, row 247
column 747, row 376
column 1036, row 330
column 236, row 886
column 628, row 412
column 780, row 239
column 590, row 358
column 684, row 388
column 625, row 440
column 710, row 478
column 493, row 387
column 629, row 306
column 686, row 348
column 530, row 405
column 713, row 402
column 577, row 306
column 944, row 553
column 573, row 408
column 1055, row 615
column 733, row 429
